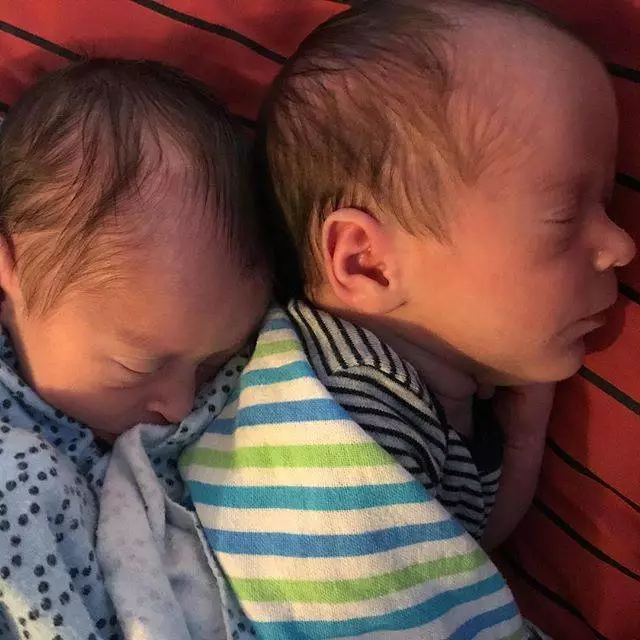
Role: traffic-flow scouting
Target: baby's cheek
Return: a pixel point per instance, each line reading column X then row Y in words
column 104, row 408
column 121, row 403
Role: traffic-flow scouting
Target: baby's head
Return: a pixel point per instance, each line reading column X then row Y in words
column 130, row 262
column 444, row 170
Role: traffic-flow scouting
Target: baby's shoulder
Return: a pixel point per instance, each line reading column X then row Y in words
column 340, row 350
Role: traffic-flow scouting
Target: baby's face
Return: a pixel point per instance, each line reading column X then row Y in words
column 530, row 266
column 137, row 352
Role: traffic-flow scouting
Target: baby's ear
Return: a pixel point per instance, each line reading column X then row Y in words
column 360, row 262
column 8, row 276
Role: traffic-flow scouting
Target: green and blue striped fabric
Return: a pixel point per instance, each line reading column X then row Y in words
column 320, row 533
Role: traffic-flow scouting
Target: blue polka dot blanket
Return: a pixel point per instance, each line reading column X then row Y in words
column 102, row 546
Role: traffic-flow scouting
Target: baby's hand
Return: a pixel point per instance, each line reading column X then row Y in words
column 523, row 412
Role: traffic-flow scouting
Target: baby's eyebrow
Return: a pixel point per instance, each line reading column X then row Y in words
column 141, row 348
column 552, row 184
column 133, row 345
column 137, row 341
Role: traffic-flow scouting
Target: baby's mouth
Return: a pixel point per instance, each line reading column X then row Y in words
column 598, row 319
column 579, row 329
column 592, row 323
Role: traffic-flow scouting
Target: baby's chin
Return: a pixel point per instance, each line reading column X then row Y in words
column 554, row 365
column 565, row 366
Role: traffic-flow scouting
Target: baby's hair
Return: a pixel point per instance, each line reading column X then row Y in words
column 85, row 140
column 358, row 118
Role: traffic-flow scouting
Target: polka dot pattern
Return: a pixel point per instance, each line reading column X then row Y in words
column 38, row 556
column 55, row 583
column 238, row 624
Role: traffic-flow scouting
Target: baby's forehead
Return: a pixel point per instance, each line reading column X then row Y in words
column 171, row 194
column 513, row 87
column 180, row 300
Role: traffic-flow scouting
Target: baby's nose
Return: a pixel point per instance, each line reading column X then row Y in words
column 617, row 248
column 174, row 400
column 626, row 250
column 175, row 413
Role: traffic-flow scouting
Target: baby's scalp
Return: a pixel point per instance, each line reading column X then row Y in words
column 392, row 108
column 83, row 148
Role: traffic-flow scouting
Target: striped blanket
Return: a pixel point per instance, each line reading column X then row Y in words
column 320, row 533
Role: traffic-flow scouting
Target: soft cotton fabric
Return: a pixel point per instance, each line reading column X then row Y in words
column 385, row 395
column 98, row 545
column 319, row 531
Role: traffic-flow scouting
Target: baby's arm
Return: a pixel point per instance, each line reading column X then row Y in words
column 523, row 414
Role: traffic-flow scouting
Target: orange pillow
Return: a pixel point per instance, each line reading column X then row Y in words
column 574, row 563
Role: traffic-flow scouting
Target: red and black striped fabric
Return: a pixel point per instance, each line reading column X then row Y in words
column 574, row 563
column 235, row 47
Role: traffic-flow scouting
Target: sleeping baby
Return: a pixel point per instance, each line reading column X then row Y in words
column 131, row 272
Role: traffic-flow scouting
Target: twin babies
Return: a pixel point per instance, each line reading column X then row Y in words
column 439, row 173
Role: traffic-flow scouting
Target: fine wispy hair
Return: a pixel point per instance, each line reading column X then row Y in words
column 360, row 117
column 85, row 140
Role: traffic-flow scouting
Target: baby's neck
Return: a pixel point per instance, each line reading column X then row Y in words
column 445, row 375
column 453, row 387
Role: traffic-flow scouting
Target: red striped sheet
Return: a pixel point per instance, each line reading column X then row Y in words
column 619, row 361
column 537, row 605
column 607, row 599
column 590, row 427
column 628, row 94
column 296, row 19
column 238, row 74
column 610, row 26
column 563, row 491
column 610, row 450
column 21, row 62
